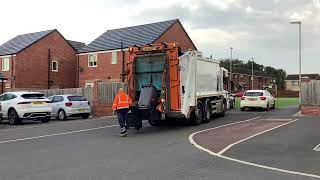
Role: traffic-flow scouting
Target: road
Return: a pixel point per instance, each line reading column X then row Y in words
column 92, row 149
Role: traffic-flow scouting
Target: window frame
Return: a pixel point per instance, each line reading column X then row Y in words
column 90, row 84
column 96, row 60
column 3, row 63
column 114, row 57
column 57, row 66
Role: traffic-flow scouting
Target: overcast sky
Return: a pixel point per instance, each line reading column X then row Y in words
column 256, row 29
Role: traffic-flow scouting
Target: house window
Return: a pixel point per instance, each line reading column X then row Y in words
column 5, row 64
column 89, row 85
column 114, row 58
column 55, row 66
column 92, row 60
column 295, row 83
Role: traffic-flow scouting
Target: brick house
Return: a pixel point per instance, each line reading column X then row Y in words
column 102, row 58
column 242, row 81
column 39, row 60
column 292, row 81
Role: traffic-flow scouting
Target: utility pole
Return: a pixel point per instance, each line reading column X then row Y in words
column 230, row 79
column 252, row 74
column 299, row 23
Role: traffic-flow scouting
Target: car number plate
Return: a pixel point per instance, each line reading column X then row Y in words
column 80, row 110
column 37, row 103
column 252, row 99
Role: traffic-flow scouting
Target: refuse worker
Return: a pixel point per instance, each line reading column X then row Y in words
column 121, row 105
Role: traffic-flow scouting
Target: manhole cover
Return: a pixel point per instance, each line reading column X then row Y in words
column 317, row 148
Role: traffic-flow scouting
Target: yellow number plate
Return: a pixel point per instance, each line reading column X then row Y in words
column 37, row 102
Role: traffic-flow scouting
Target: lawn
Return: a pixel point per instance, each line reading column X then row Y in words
column 280, row 102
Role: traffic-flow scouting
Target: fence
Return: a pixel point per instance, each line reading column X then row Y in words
column 85, row 92
column 310, row 93
column 108, row 90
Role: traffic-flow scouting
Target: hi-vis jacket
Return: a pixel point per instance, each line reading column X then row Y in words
column 121, row 101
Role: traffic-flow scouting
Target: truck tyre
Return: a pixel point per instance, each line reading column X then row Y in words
column 13, row 117
column 224, row 107
column 208, row 111
column 198, row 115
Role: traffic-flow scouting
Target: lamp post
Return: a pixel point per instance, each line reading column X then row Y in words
column 252, row 74
column 230, row 79
column 299, row 23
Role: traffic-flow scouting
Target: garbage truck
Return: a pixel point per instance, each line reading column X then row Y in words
column 166, row 83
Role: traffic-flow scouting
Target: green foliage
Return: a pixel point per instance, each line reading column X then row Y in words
column 259, row 69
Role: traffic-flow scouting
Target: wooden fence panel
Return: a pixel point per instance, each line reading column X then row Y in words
column 108, row 90
column 310, row 93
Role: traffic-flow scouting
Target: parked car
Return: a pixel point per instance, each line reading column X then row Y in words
column 17, row 106
column 230, row 99
column 257, row 99
column 239, row 94
column 64, row 106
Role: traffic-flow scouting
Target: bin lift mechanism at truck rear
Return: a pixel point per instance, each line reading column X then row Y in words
column 164, row 85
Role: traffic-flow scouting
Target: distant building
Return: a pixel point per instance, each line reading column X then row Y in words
column 292, row 81
column 39, row 60
column 102, row 58
column 242, row 81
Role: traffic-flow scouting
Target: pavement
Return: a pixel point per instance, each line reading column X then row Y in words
column 92, row 149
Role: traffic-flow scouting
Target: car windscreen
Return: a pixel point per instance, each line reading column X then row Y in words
column 33, row 96
column 76, row 98
column 253, row 94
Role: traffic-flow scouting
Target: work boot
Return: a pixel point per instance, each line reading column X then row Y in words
column 123, row 132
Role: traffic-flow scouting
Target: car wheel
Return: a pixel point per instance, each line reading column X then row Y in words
column 13, row 117
column 267, row 108
column 274, row 105
column 85, row 116
column 62, row 115
column 46, row 120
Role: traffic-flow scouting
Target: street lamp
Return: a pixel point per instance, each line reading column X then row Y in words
column 230, row 79
column 252, row 74
column 299, row 23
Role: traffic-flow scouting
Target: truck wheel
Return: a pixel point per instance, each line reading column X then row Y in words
column 13, row 117
column 224, row 107
column 208, row 112
column 199, row 114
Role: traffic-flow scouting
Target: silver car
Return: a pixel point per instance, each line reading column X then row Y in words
column 64, row 106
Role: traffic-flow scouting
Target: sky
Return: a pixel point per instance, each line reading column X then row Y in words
column 258, row 29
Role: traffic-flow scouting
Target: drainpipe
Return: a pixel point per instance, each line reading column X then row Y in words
column 12, row 73
column 78, row 71
column 123, row 63
column 49, row 67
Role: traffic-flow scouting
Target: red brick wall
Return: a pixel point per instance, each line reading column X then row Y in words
column 31, row 66
column 177, row 34
column 104, row 71
column 313, row 110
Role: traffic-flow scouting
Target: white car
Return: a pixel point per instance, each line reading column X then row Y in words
column 257, row 99
column 64, row 106
column 16, row 106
